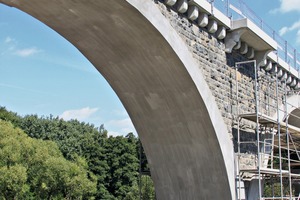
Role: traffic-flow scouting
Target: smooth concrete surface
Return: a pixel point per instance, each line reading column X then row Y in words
column 253, row 35
column 185, row 139
column 150, row 11
column 293, row 106
column 294, row 118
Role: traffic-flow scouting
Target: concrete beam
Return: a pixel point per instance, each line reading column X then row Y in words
column 274, row 69
column 205, row 7
column 289, row 79
column 268, row 66
column 254, row 36
column 261, row 56
column 221, row 33
column 250, row 54
column 244, row 48
column 232, row 39
column 284, row 76
column 212, row 26
column 280, row 73
column 294, row 82
column 203, row 20
column 282, row 64
column 182, row 6
column 170, row 2
column 193, row 13
column 238, row 45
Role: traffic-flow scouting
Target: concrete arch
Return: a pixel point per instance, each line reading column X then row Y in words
column 293, row 102
column 294, row 118
column 293, row 109
column 149, row 67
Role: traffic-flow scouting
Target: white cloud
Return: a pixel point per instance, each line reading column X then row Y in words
column 12, row 47
column 287, row 6
column 80, row 114
column 286, row 29
column 114, row 134
column 120, row 112
column 26, row 52
column 121, row 127
column 8, row 40
column 283, row 30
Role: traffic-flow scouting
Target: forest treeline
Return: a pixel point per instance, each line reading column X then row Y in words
column 50, row 158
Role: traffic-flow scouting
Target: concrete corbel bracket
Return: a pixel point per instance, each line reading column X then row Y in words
column 260, row 57
column 232, row 39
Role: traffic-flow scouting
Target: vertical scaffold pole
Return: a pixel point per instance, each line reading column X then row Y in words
column 238, row 128
column 287, row 138
column 257, row 129
column 237, row 65
column 140, row 170
column 279, row 135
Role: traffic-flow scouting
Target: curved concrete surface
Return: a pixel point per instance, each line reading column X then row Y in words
column 294, row 110
column 293, row 105
column 174, row 113
column 294, row 119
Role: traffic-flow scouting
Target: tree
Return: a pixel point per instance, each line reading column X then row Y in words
column 13, row 181
column 147, row 190
column 123, row 163
column 112, row 162
column 9, row 116
column 38, row 169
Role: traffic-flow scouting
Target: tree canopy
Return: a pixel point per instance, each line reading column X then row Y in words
column 37, row 169
column 56, row 151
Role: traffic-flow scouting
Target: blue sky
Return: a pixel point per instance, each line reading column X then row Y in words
column 282, row 15
column 42, row 73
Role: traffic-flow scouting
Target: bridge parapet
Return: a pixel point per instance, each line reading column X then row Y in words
column 241, row 31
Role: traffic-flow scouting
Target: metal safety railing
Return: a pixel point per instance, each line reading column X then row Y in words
column 238, row 9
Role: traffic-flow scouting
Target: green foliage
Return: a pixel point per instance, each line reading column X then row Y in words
column 272, row 190
column 121, row 157
column 36, row 168
column 13, row 181
column 146, row 187
column 9, row 116
column 97, row 166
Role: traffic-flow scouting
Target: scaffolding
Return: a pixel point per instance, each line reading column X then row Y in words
column 275, row 144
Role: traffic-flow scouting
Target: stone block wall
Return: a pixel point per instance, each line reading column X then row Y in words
column 218, row 69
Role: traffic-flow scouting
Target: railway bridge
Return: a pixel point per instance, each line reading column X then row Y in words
column 213, row 96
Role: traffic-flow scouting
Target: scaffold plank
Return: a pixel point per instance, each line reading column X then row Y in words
column 265, row 171
column 262, row 118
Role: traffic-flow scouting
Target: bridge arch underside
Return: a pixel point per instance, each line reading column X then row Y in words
column 154, row 86
column 294, row 118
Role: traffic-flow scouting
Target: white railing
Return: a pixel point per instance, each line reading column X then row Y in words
column 238, row 9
